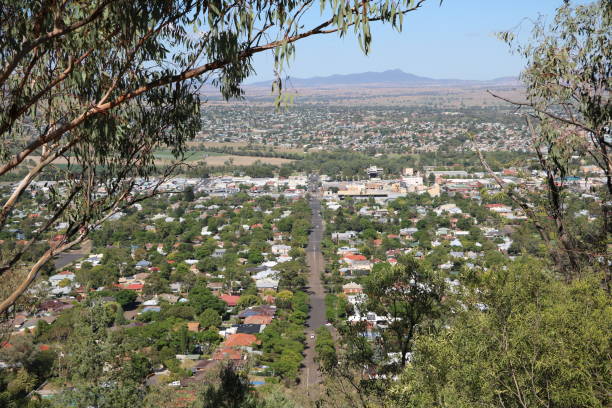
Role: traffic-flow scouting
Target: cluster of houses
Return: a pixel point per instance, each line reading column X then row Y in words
column 239, row 342
column 377, row 187
column 363, row 127
column 456, row 182
column 352, row 263
column 63, row 290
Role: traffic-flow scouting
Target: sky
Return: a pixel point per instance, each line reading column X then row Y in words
column 455, row 40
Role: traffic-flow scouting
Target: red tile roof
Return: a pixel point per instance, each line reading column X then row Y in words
column 230, row 299
column 356, row 257
column 240, row 340
column 258, row 319
column 131, row 286
column 227, row 353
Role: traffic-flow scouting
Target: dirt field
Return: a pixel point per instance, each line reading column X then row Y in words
column 218, row 160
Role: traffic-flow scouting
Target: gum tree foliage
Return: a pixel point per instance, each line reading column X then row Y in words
column 27, row 367
column 201, row 299
column 521, row 338
column 569, row 113
column 101, row 84
column 232, row 390
column 209, row 318
column 103, row 369
column 410, row 296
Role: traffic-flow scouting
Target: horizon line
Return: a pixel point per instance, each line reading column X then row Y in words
column 516, row 76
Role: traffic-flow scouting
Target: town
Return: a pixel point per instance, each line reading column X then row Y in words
column 390, row 129
column 217, row 272
column 298, row 204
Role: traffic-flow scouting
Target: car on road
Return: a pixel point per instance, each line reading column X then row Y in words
column 312, row 336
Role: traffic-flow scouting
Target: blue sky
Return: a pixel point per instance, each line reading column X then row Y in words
column 454, row 40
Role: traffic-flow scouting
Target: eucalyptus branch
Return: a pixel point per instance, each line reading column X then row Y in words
column 45, row 160
column 25, row 248
column 544, row 112
column 55, row 33
column 16, row 111
column 517, row 200
column 132, row 53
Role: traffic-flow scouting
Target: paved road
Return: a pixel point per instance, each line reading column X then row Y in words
column 310, row 375
column 66, row 258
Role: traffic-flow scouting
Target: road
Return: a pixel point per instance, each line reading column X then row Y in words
column 310, row 375
column 66, row 258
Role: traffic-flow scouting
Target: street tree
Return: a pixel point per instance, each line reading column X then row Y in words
column 408, row 295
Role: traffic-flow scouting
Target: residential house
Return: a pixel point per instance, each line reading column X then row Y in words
column 280, row 249
column 241, row 340
column 258, row 319
column 263, row 284
column 55, row 280
column 231, row 300
column 352, row 288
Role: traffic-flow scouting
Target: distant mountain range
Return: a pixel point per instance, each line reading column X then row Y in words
column 390, row 78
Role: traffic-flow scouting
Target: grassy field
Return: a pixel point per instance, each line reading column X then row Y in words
column 189, row 156
column 244, row 160
column 217, row 159
column 240, row 145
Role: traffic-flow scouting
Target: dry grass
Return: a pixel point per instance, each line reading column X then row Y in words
column 211, row 160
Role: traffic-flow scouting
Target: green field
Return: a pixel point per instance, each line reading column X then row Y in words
column 189, row 155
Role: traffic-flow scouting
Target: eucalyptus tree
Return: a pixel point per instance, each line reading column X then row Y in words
column 400, row 303
column 91, row 89
column 569, row 114
column 409, row 296
column 519, row 338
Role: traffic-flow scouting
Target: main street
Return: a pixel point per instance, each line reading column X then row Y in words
column 310, row 373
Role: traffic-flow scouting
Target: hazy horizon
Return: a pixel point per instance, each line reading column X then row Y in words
column 423, row 75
